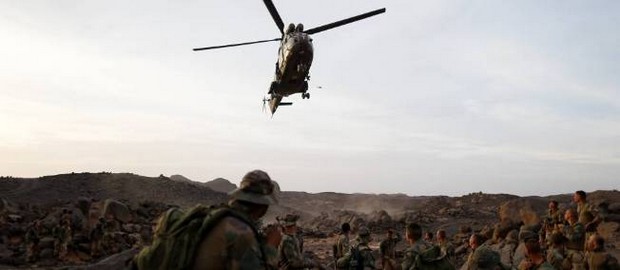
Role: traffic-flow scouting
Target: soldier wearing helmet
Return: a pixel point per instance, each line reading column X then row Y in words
column 290, row 255
column 360, row 254
column 233, row 243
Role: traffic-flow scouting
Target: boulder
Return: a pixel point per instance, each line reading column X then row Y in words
column 524, row 210
column 47, row 253
column 116, row 209
column 46, row 242
column 83, row 203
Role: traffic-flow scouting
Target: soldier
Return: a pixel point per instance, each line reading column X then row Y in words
column 575, row 235
column 33, row 235
column 388, row 250
column 289, row 251
column 535, row 258
column 63, row 238
column 556, row 253
column 475, row 241
column 413, row 235
column 428, row 237
column 342, row 245
column 507, row 251
column 359, row 253
column 597, row 258
column 588, row 215
column 232, row 243
column 109, row 228
column 484, row 258
column 554, row 216
column 447, row 249
column 96, row 236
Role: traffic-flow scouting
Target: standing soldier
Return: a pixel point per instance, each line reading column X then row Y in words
column 63, row 238
column 359, row 255
column 388, row 250
column 588, row 215
column 96, row 235
column 552, row 221
column 342, row 244
column 32, row 241
column 289, row 251
column 232, row 242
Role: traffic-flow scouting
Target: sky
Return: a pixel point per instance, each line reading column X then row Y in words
column 429, row 98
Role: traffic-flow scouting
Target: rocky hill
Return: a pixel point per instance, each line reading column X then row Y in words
column 126, row 187
column 142, row 199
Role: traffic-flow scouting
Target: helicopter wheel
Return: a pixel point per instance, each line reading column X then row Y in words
column 305, row 95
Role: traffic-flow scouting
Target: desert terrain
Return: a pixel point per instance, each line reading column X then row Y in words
column 136, row 201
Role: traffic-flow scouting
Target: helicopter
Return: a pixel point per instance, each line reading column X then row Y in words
column 294, row 56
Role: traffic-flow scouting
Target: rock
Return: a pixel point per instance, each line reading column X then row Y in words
column 521, row 210
column 116, row 261
column 117, row 209
column 608, row 229
column 46, row 242
column 47, row 253
column 83, row 203
column 614, row 207
column 221, row 185
column 15, row 218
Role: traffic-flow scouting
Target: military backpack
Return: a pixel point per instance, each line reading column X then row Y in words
column 432, row 259
column 178, row 235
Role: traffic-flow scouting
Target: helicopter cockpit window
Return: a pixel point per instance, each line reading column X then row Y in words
column 299, row 28
column 290, row 28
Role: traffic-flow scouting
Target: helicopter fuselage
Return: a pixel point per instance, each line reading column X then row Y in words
column 293, row 66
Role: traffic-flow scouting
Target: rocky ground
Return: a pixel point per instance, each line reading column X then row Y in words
column 134, row 202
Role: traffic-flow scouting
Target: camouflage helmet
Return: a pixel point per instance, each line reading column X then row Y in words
column 485, row 258
column 256, row 187
column 288, row 220
column 363, row 232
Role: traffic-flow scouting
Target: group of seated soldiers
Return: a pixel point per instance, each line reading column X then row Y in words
column 564, row 240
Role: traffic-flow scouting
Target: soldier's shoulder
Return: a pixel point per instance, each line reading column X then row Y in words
column 233, row 225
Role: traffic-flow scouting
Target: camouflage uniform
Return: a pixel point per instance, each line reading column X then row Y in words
column 484, row 258
column 551, row 222
column 387, row 248
column 361, row 247
column 585, row 212
column 601, row 260
column 63, row 238
column 447, row 249
column 409, row 262
column 32, row 242
column 232, row 243
column 507, row 250
column 290, row 256
column 575, row 235
column 96, row 235
column 342, row 245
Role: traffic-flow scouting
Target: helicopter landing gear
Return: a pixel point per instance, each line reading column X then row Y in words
column 305, row 95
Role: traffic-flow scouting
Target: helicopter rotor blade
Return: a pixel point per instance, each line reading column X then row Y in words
column 343, row 22
column 236, row 44
column 274, row 14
